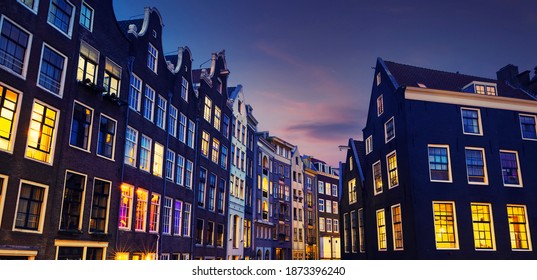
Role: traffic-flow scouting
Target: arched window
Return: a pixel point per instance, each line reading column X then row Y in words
column 259, row 256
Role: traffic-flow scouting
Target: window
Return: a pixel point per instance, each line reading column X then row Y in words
column 212, row 192
column 14, row 47
column 207, row 110
column 321, row 224
column 152, row 55
column 377, row 177
column 190, row 136
column 167, row 218
column 41, row 134
column 225, row 126
column 217, row 116
column 184, row 89
column 73, row 199
column 378, row 78
column 74, row 250
column 51, row 73
column 112, row 78
column 491, row 90
column 88, row 59
column 334, row 188
column 328, row 207
column 336, row 226
column 125, row 206
column 188, row 174
column 335, row 208
column 221, row 196
column 81, row 126
column 518, row 227
column 30, row 212
column 158, row 159
column 397, row 227
column 224, row 158
column 380, row 105
column 142, row 197
column 170, row 164
column 352, row 191
column 182, row 127
column 220, row 235
column 135, row 92
column 480, row 89
column 31, row 4
column 186, row 219
column 471, row 121
column 100, row 206
column 327, row 188
column 149, row 103
column 393, row 178
column 215, row 151
column 205, row 138
column 328, row 225
column 445, row 225
column 527, row 127
column 439, row 164
column 201, row 187
column 180, row 170
column 86, row 16
column 154, row 213
column 177, row 218
column 172, row 121
column 160, row 119
column 107, row 137
column 476, row 166
column 346, row 233
column 145, row 153
column 131, row 146
column 389, row 130
column 483, row 226
column 321, row 187
column 381, row 230
column 199, row 232
column 321, row 205
column 510, row 168
column 60, row 15
column 9, row 112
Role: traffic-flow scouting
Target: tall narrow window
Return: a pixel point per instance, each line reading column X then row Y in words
column 199, row 232
column 170, row 164
column 131, row 146
column 41, row 135
column 221, row 195
column 184, row 89
column 369, row 144
column 112, row 78
column 149, row 103
column 205, row 138
column 322, row 224
column 352, row 191
column 154, row 213
column 381, row 230
column 510, row 168
column 177, row 218
column 519, row 230
column 52, row 71
column 145, row 153
column 142, row 197
column 393, row 177
column 60, row 15
column 81, row 126
column 100, row 206
column 167, row 216
column 445, row 225
column 377, row 177
column 224, row 158
column 483, row 226
column 135, row 93
column 380, row 105
column 30, row 211
column 186, row 219
column 225, row 126
column 182, row 127
column 201, row 187
column 88, row 59
column 189, row 174
column 389, row 130
column 179, row 177
column 217, row 116
column 160, row 119
column 190, row 135
column 86, row 16
column 215, row 150
column 207, row 109
column 439, row 165
column 125, row 206
column 397, row 227
column 527, row 127
column 346, row 233
column 172, row 121
column 476, row 166
column 152, row 55
column 107, row 137
column 9, row 111
column 212, row 192
column 158, row 159
column 73, row 198
column 471, row 121
column 361, row 230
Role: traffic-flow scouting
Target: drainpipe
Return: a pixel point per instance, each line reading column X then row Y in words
column 194, row 180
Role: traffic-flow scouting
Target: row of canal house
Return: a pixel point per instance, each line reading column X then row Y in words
column 111, row 150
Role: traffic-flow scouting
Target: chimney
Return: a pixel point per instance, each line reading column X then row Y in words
column 508, row 74
column 524, row 78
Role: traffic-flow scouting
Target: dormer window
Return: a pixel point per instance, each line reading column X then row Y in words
column 482, row 88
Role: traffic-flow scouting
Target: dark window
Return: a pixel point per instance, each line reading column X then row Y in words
column 107, row 131
column 72, row 201
column 13, row 45
column 29, row 207
column 439, row 164
column 199, row 232
column 509, row 168
column 60, row 14
column 50, row 75
column 475, row 165
column 99, row 206
column 81, row 126
column 527, row 125
column 470, row 121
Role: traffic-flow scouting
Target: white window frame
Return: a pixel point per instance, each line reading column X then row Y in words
column 520, row 124
column 455, row 226
column 54, row 136
column 82, row 200
column 149, row 153
column 380, row 105
column 3, row 191
column 158, row 160
column 24, row 71
column 167, row 215
column 32, row 9
column 369, row 144
column 149, row 111
column 485, row 171
column 161, row 111
column 135, row 156
column 386, row 140
column 172, row 123
column 394, row 153
column 519, row 172
column 92, row 15
column 393, row 227
column 113, row 140
column 479, row 125
column 137, row 91
column 170, row 159
column 64, row 70
column 152, row 58
column 492, row 231
column 450, row 180
column 43, row 211
column 71, row 20
column 376, row 192
column 379, row 247
column 184, row 89
column 90, row 127
column 15, row 121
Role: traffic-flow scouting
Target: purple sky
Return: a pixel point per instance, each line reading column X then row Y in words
column 306, row 65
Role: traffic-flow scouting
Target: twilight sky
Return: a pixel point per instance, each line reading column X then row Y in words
column 306, row 65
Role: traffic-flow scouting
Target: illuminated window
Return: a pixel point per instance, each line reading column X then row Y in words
column 125, row 206
column 491, row 90
column 154, row 213
column 41, row 135
column 72, row 250
column 88, row 59
column 217, row 116
column 60, row 15
column 439, row 165
column 393, row 177
column 167, row 216
column 445, row 225
column 483, row 226
column 145, row 153
column 107, row 137
column 30, row 211
column 52, row 71
column 158, row 159
column 131, row 146
column 177, row 218
column 142, row 197
column 149, row 103
column 527, row 127
column 86, row 16
column 172, row 121
column 112, row 78
column 201, row 187
column 81, row 126
column 336, row 226
column 378, row 78
column 377, row 177
column 397, row 227
column 73, row 198
column 321, row 224
column 190, row 135
column 152, row 55
column 476, row 166
column 389, row 130
column 380, row 105
column 471, row 121
column 205, row 138
column 518, row 227
column 160, row 118
column 9, row 111
column 327, row 189
column 3, row 188
column 480, row 89
column 186, row 219
column 215, row 151
column 328, row 207
column 184, row 89
column 207, row 110
column 335, row 209
column 135, row 92
column 14, row 47
column 189, row 174
column 328, row 225
column 381, row 230
column 170, row 164
column 100, row 206
column 211, row 192
column 510, row 168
